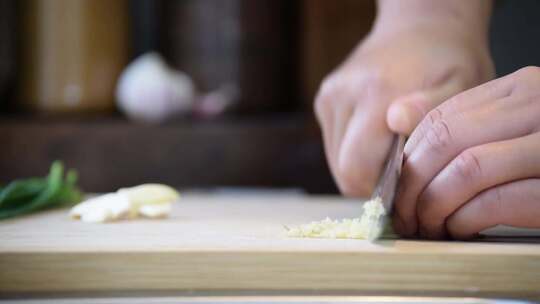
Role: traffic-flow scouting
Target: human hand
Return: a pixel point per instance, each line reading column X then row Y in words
column 396, row 76
column 474, row 162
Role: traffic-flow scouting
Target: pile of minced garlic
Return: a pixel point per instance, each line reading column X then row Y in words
column 356, row 228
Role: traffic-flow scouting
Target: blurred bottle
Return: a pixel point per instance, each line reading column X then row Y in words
column 243, row 44
column 72, row 52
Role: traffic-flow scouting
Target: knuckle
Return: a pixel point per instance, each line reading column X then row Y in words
column 376, row 86
column 525, row 81
column 529, row 73
column 328, row 85
column 525, row 85
column 321, row 107
column 433, row 116
column 467, row 166
column 323, row 99
column 437, row 135
column 351, row 87
column 330, row 89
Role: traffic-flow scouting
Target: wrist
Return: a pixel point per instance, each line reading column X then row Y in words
column 468, row 19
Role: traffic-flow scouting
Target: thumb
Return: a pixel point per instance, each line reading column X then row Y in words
column 406, row 112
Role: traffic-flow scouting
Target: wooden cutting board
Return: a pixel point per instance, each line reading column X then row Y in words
column 238, row 243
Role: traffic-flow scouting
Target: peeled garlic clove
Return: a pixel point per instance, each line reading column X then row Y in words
column 155, row 211
column 98, row 215
column 77, row 211
column 98, row 202
column 118, row 204
column 150, row 200
column 150, row 194
column 104, row 208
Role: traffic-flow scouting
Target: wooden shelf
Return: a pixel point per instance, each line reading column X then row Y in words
column 271, row 151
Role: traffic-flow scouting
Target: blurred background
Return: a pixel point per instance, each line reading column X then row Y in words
column 60, row 61
column 191, row 93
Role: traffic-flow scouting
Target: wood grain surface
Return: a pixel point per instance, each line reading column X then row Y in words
column 238, row 243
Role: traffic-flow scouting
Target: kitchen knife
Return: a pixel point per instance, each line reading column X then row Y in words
column 386, row 187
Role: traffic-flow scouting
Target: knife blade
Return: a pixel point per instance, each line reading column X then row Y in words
column 386, row 187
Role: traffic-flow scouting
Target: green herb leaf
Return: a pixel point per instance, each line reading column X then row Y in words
column 25, row 196
column 20, row 191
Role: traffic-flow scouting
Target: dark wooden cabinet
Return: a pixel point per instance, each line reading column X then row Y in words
column 251, row 45
column 109, row 153
column 329, row 32
column 7, row 50
column 274, row 51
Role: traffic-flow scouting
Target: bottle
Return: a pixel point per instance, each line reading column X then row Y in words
column 72, row 52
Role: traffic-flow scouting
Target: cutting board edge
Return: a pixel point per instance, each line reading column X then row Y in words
column 461, row 275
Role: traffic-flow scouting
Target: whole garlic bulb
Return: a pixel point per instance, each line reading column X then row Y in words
column 150, row 91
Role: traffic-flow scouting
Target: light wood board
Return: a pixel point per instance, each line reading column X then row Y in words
column 265, row 300
column 238, row 243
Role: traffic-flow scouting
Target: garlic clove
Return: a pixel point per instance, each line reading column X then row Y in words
column 104, row 208
column 97, row 215
column 149, row 200
column 155, row 211
column 149, row 91
column 149, row 194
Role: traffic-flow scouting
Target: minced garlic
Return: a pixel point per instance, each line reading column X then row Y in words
column 148, row 200
column 356, row 228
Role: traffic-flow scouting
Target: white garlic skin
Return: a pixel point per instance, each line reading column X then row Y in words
column 150, row 91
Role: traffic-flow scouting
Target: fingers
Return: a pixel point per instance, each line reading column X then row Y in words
column 406, row 112
column 362, row 150
column 446, row 132
column 326, row 105
column 325, row 117
column 356, row 137
column 465, row 101
column 471, row 172
column 513, row 204
column 352, row 136
column 342, row 117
